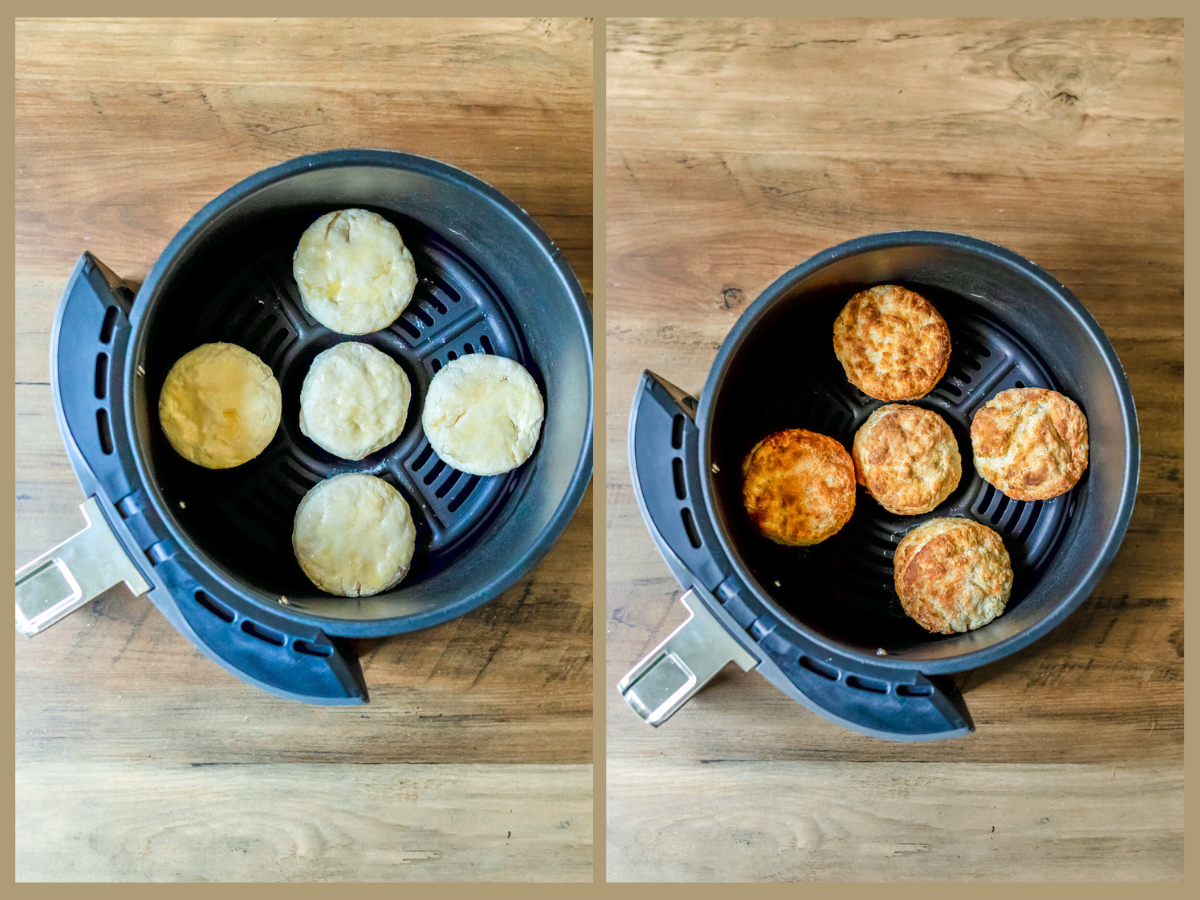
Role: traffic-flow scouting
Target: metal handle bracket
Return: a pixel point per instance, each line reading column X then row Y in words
column 682, row 664
column 76, row 571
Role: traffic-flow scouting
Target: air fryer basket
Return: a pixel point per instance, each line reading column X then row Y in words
column 824, row 623
column 843, row 587
column 491, row 272
column 243, row 516
column 213, row 547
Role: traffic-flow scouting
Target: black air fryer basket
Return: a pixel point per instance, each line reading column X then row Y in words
column 824, row 623
column 213, row 547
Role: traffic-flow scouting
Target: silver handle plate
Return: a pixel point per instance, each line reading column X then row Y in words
column 76, row 571
column 676, row 669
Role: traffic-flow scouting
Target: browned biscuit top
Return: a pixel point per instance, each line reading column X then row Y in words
column 892, row 343
column 798, row 486
column 952, row 575
column 907, row 458
column 1031, row 443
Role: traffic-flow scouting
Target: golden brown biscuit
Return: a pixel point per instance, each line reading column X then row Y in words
column 907, row 458
column 952, row 575
column 892, row 343
column 1030, row 443
column 798, row 487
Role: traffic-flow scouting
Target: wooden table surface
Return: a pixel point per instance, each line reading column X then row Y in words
column 136, row 757
column 735, row 150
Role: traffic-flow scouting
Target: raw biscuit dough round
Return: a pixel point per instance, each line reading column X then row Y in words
column 354, row 535
column 354, row 400
column 219, row 406
column 354, row 273
column 483, row 414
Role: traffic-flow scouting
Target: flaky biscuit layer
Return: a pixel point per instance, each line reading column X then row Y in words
column 798, row 487
column 1030, row 443
column 892, row 342
column 952, row 575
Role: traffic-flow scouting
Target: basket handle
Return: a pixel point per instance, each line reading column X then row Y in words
column 75, row 572
column 682, row 664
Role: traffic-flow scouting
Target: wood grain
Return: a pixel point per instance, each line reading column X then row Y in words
column 836, row 821
column 160, row 822
column 125, row 129
column 738, row 148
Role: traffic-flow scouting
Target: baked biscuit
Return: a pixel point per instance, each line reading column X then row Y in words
column 483, row 414
column 354, row 535
column 798, row 487
column 354, row 273
column 952, row 575
column 1030, row 443
column 219, row 406
column 907, row 458
column 892, row 343
column 354, row 400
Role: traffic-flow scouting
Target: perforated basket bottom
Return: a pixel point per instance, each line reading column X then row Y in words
column 792, row 379
column 243, row 516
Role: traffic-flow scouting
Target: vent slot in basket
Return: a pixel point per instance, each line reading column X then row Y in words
column 689, row 525
column 677, row 472
column 108, row 326
column 104, row 432
column 462, row 495
column 101, row 390
column 866, row 684
column 214, row 607
column 817, row 668
column 447, row 483
column 263, row 633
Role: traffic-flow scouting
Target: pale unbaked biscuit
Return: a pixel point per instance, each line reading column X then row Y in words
column 219, row 406
column 1031, row 443
column 354, row 273
column 354, row 535
column 483, row 414
column 798, row 487
column 892, row 343
column 952, row 575
column 907, row 458
column 354, row 400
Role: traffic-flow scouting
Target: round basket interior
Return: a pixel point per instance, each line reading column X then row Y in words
column 1010, row 327
column 488, row 282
